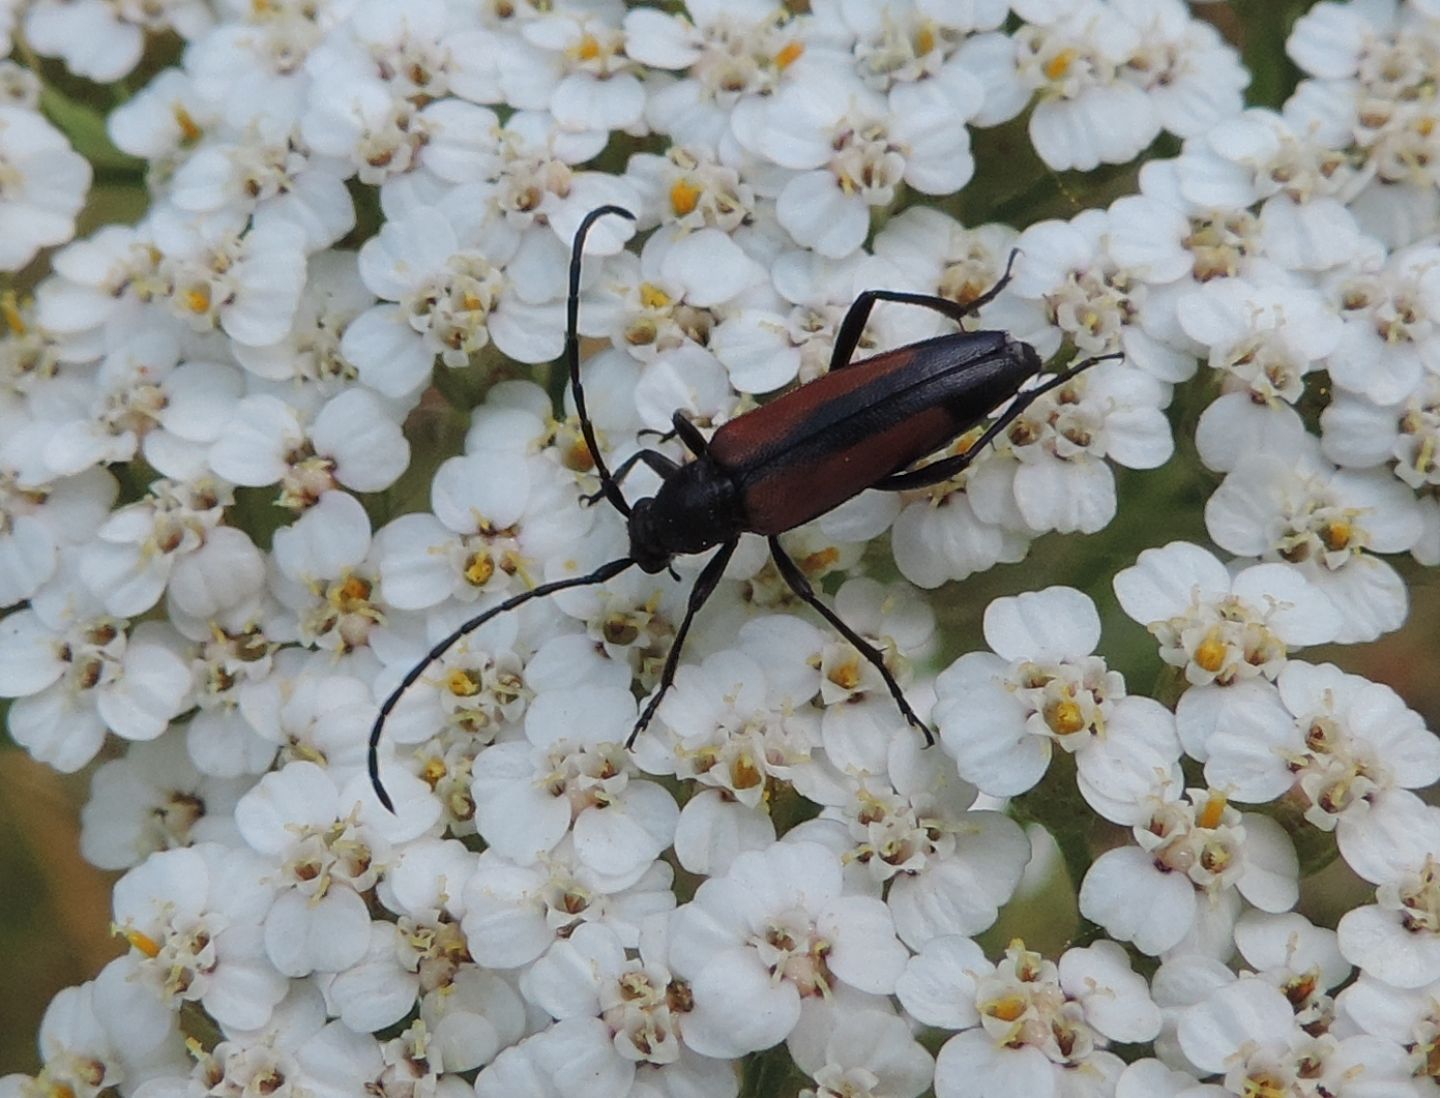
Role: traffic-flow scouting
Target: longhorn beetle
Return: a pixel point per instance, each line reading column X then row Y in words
column 861, row 425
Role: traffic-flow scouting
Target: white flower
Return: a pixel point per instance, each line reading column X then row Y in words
column 172, row 540
column 103, row 41
column 767, row 344
column 936, row 254
column 775, row 929
column 325, row 578
column 949, row 868
column 400, row 43
column 1359, row 434
column 572, row 772
column 100, row 284
column 82, row 1057
column 594, row 85
column 363, row 121
column 1391, row 337
column 312, row 715
column 1073, row 53
column 466, row 1022
column 1395, row 939
column 1325, row 523
column 642, row 1009
column 334, row 295
column 938, row 537
column 228, row 662
column 1266, row 338
column 192, row 918
column 445, row 293
column 1332, row 41
column 45, row 186
column 1218, row 626
column 1165, row 236
column 1399, row 1015
column 900, row 625
column 216, row 274
column 154, row 799
column 732, row 725
column 423, row 951
column 1247, row 1032
column 269, row 180
column 469, row 698
column 1149, row 1078
column 1297, row 177
column 1049, row 471
column 75, row 672
column 251, row 69
column 1370, row 61
column 498, row 518
column 1298, row 957
column 579, row 1054
column 675, row 293
column 1026, row 1022
column 690, row 188
column 328, row 1061
column 1192, row 76
column 729, row 53
column 852, row 150
column 1002, row 714
column 1230, row 634
column 142, row 399
column 330, row 844
column 514, row 913
column 1180, row 880
column 865, row 1052
column 350, row 441
column 1096, row 301
column 1342, row 741
column 164, row 118
column 33, row 530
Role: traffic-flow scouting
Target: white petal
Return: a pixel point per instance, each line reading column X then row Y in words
column 817, row 214
column 938, row 985
column 713, row 830
column 1135, row 902
column 304, row 935
column 1164, row 582
column 1055, row 624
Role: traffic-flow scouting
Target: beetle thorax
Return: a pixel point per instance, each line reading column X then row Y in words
column 696, row 509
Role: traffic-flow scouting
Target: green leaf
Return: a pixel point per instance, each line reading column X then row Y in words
column 85, row 127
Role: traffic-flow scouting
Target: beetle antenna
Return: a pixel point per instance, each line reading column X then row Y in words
column 600, row 575
column 608, row 484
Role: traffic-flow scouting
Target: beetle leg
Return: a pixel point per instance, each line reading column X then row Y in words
column 704, row 587
column 994, row 291
column 848, row 337
column 946, row 468
column 689, row 434
column 653, row 458
column 801, row 586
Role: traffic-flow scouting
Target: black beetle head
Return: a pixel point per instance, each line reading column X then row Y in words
column 647, row 547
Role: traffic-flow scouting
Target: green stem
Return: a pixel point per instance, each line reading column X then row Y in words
column 1266, row 24
column 1056, row 805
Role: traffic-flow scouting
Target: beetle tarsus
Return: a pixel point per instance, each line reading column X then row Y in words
column 705, row 585
column 800, row 584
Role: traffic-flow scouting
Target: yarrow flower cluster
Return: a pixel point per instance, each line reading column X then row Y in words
column 264, row 447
